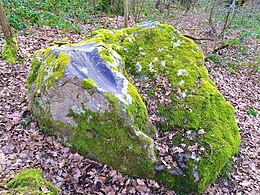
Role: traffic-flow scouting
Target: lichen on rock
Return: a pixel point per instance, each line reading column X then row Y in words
column 114, row 94
column 30, row 181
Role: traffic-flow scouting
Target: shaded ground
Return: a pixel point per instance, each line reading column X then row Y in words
column 27, row 147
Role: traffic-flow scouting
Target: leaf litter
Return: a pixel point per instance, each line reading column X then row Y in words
column 23, row 145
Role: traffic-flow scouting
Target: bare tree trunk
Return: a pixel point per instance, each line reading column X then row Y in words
column 10, row 48
column 4, row 23
column 126, row 12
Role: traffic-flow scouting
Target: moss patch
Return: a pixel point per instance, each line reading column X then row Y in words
column 88, row 83
column 106, row 142
column 47, row 68
column 30, row 181
column 10, row 50
column 162, row 50
column 117, row 136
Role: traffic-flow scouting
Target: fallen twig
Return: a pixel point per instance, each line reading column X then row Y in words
column 198, row 38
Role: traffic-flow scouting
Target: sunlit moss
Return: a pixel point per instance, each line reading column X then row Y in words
column 31, row 182
column 9, row 51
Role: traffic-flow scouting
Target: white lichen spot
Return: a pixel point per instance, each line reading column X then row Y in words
column 124, row 97
column 183, row 95
column 140, row 48
column 169, row 55
column 163, row 63
column 182, row 71
column 177, row 44
column 49, row 72
column 181, row 82
column 142, row 53
column 155, row 59
column 40, row 102
column 138, row 67
column 88, row 119
column 160, row 50
column 149, row 141
column 151, row 69
column 84, row 70
column 126, row 50
column 77, row 110
column 130, row 40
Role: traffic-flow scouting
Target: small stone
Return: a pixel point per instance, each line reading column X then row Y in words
column 140, row 182
column 185, row 121
column 201, row 132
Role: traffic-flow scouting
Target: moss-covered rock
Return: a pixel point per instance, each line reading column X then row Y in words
column 89, row 103
column 30, row 181
column 9, row 51
column 93, row 100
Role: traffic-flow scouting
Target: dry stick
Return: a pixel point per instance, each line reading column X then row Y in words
column 221, row 47
column 198, row 38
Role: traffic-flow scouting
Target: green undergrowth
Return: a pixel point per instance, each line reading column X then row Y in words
column 31, row 182
column 62, row 14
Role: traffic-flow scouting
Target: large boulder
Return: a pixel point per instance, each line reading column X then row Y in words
column 139, row 100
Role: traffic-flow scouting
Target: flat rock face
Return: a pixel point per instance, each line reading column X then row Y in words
column 92, row 95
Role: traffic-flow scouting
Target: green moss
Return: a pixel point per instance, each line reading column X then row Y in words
column 147, row 54
column 111, row 98
column 30, row 181
column 88, row 83
column 137, row 110
column 51, row 69
column 107, row 141
column 10, row 50
column 34, row 69
column 164, row 51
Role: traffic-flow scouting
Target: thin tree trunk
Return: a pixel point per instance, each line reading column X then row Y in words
column 232, row 9
column 10, row 48
column 211, row 14
column 95, row 6
column 4, row 23
column 126, row 12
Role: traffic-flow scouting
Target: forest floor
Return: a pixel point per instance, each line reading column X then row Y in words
column 27, row 147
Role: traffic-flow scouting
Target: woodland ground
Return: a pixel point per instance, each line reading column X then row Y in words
column 25, row 146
